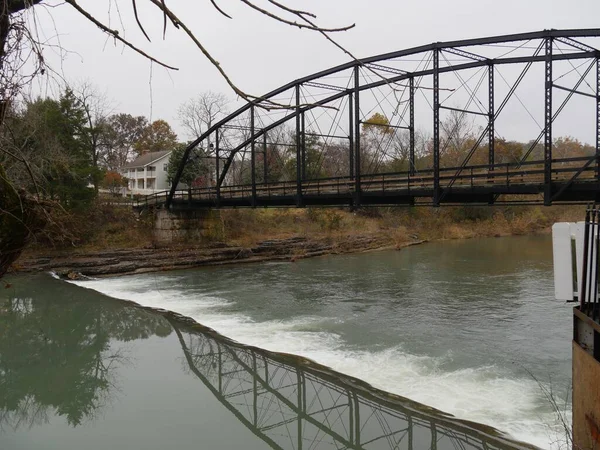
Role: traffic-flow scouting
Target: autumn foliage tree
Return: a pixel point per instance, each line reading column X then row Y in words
column 113, row 182
column 156, row 137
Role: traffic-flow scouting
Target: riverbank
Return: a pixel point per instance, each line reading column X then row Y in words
column 75, row 265
column 122, row 242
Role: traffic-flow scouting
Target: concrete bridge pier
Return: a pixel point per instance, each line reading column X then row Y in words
column 184, row 226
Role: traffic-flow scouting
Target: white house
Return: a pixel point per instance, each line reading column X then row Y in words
column 148, row 173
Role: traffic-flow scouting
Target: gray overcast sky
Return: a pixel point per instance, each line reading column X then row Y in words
column 260, row 54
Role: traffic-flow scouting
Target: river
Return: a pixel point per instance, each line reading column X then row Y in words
column 468, row 327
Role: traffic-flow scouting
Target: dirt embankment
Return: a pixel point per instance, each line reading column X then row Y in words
column 132, row 261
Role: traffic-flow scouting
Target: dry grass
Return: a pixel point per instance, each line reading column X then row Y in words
column 112, row 226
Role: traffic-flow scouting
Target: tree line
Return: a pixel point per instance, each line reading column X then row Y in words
column 65, row 149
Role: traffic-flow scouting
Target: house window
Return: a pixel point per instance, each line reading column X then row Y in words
column 165, row 167
column 141, row 169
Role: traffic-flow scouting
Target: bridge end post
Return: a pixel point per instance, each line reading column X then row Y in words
column 548, row 119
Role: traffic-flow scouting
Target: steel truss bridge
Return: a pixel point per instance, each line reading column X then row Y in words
column 452, row 112
column 292, row 405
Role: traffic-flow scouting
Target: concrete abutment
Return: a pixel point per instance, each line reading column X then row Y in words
column 185, row 226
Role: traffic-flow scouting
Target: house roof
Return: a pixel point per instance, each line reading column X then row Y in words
column 146, row 159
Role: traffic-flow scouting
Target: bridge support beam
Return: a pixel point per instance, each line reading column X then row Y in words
column 491, row 131
column 265, row 165
column 350, row 136
column 298, row 150
column 411, row 126
column 598, row 120
column 253, row 156
column 548, row 125
column 436, row 127
column 357, row 186
column 491, row 140
column 217, row 169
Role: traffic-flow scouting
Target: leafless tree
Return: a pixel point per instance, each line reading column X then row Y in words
column 198, row 114
column 97, row 110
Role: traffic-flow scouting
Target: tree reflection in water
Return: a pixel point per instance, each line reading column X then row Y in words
column 56, row 357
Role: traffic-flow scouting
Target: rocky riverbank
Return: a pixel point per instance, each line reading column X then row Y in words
column 131, row 261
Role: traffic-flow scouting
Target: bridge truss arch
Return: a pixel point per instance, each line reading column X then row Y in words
column 477, row 121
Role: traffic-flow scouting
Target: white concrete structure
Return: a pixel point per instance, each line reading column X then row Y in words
column 148, row 173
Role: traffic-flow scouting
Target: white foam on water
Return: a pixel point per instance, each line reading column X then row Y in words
column 488, row 395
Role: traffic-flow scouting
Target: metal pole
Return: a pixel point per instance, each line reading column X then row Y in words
column 598, row 119
column 253, row 156
column 436, row 127
column 357, row 135
column 298, row 150
column 303, row 142
column 351, row 136
column 265, row 168
column 300, row 408
column 491, row 142
column 548, row 125
column 412, row 127
column 217, row 168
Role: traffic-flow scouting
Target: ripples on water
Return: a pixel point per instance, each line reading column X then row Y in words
column 467, row 327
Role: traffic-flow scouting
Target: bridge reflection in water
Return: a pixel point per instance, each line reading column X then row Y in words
column 291, row 403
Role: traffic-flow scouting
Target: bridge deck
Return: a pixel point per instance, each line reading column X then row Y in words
column 572, row 182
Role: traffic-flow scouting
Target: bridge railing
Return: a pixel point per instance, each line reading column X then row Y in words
column 565, row 170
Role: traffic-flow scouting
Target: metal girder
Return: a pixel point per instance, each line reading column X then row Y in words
column 411, row 156
column 253, row 156
column 436, row 127
column 477, row 113
column 324, row 86
column 465, row 54
column 385, row 69
column 548, row 123
column 574, row 91
column 298, row 149
column 576, row 44
column 598, row 119
column 491, row 118
column 357, row 168
column 568, row 37
column 350, row 135
column 528, row 60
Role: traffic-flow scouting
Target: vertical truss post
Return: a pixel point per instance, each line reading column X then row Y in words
column 265, row 168
column 357, row 424
column 548, row 124
column 217, row 169
column 350, row 136
column 254, row 390
column 411, row 158
column 253, row 156
column 298, row 150
column 303, row 146
column 220, row 353
column 491, row 141
column 410, row 432
column 357, row 135
column 436, row 127
column 350, row 418
column 598, row 119
column 301, row 408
